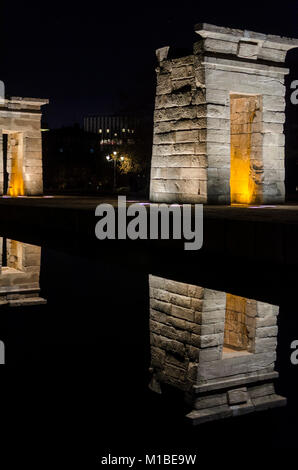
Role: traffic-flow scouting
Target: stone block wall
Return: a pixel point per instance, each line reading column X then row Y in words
column 175, row 331
column 20, row 119
column 1, row 163
column 188, row 326
column 178, row 169
column 191, row 159
column 19, row 276
column 268, row 83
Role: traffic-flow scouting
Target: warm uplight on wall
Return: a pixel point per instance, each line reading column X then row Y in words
column 243, row 140
column 16, row 183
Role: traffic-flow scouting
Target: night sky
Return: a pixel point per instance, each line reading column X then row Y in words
column 99, row 57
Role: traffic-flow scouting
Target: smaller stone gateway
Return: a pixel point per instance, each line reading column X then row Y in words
column 218, row 121
column 217, row 348
column 21, row 147
column 19, row 274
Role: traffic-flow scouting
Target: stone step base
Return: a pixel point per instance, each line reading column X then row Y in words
column 26, row 302
column 218, row 412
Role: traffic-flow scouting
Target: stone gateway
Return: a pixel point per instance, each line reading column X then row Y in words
column 20, row 146
column 218, row 122
column 217, row 348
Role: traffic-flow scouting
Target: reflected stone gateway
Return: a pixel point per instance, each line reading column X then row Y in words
column 20, row 146
column 19, row 274
column 218, row 348
column 218, row 121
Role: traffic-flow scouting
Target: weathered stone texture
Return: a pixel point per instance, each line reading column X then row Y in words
column 201, row 336
column 194, row 92
column 179, row 117
column 19, row 277
column 20, row 120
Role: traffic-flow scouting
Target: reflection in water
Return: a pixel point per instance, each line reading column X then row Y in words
column 67, row 354
column 19, row 273
column 219, row 349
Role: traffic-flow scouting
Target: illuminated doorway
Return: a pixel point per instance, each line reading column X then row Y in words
column 5, row 172
column 240, row 325
column 13, row 150
column 246, row 171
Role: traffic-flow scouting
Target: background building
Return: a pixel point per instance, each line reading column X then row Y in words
column 75, row 158
column 113, row 130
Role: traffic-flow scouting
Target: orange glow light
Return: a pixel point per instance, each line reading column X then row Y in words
column 242, row 179
column 16, row 183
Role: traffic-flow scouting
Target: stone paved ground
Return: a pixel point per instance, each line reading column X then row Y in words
column 287, row 213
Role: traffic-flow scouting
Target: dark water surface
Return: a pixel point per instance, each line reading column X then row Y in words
column 75, row 383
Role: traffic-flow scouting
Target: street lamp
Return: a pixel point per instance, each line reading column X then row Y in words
column 115, row 158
